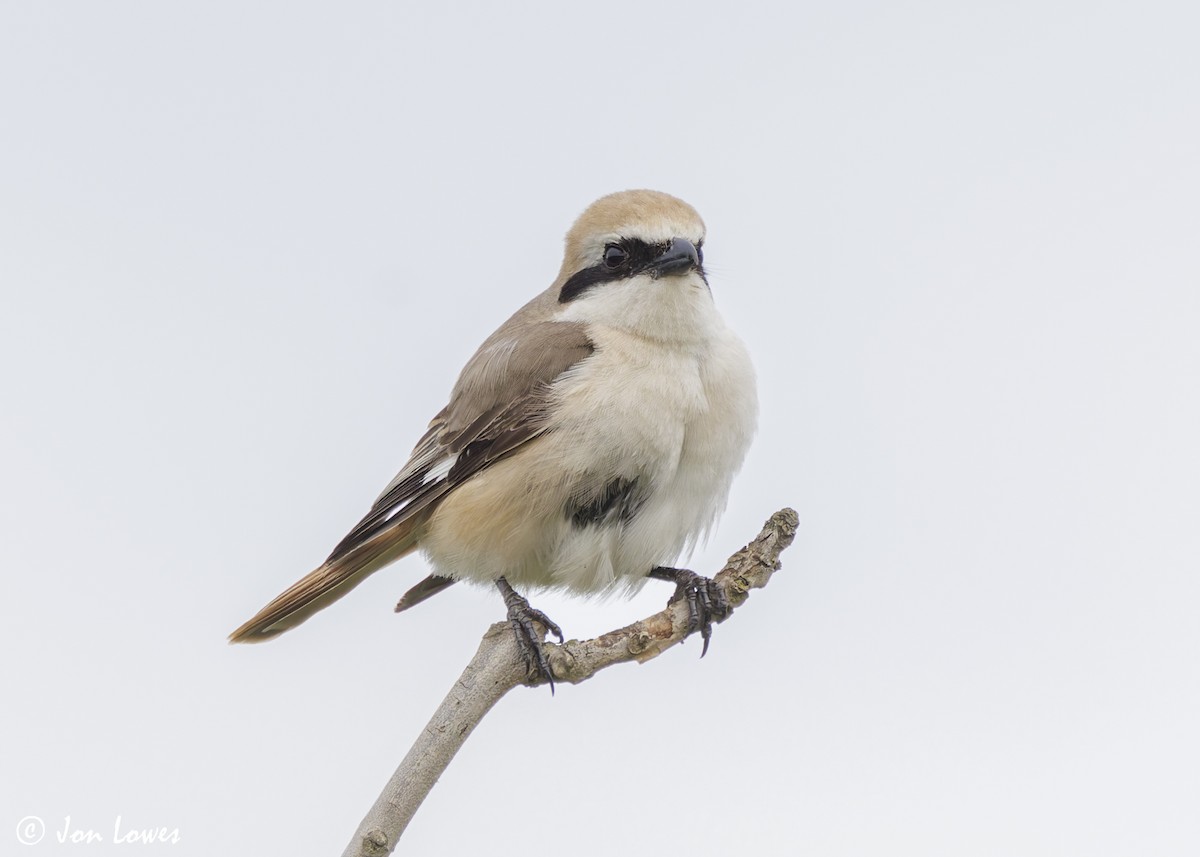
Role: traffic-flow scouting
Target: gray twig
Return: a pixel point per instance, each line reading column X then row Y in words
column 498, row 667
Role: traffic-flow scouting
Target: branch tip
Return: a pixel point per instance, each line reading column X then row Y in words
column 497, row 668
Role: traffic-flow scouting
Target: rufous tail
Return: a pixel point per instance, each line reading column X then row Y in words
column 326, row 584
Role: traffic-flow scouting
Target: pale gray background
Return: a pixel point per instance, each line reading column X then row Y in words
column 245, row 248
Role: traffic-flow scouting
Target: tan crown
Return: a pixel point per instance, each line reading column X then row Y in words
column 650, row 215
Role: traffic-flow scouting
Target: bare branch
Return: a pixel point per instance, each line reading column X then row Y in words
column 749, row 568
column 497, row 668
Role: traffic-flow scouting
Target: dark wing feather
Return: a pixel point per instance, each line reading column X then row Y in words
column 501, row 401
column 408, row 492
column 427, row 588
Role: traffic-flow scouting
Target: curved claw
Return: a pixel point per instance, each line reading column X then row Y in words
column 529, row 640
column 705, row 599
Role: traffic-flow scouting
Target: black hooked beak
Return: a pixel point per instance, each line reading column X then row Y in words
column 679, row 258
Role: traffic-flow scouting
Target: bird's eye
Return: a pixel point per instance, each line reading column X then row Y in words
column 614, row 257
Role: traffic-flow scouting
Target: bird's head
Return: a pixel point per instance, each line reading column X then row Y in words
column 634, row 261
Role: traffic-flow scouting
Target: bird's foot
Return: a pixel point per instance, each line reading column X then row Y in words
column 521, row 617
column 705, row 599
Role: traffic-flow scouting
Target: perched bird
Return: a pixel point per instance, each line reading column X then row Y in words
column 587, row 443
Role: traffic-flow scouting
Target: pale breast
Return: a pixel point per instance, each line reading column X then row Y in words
column 629, row 406
column 645, row 443
column 679, row 424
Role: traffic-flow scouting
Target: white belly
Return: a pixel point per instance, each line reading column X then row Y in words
column 674, row 422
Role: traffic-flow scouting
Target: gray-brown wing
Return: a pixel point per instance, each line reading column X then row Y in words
column 500, row 402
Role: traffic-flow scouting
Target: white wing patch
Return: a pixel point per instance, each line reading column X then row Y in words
column 436, row 473
column 440, row 469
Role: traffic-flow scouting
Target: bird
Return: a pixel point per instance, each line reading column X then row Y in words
column 590, row 440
